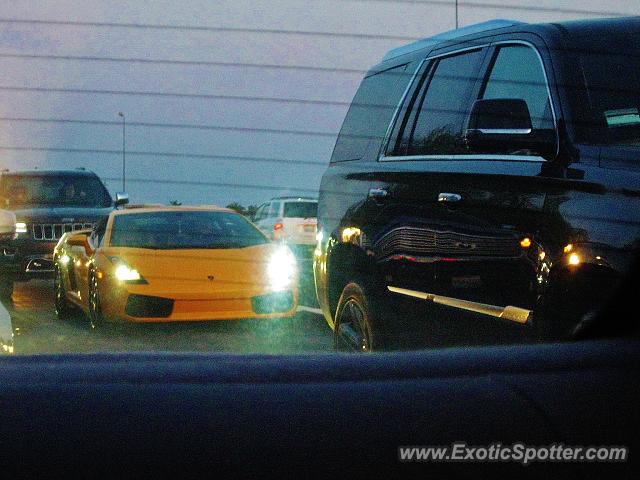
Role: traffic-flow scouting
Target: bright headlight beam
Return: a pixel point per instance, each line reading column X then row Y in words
column 281, row 269
column 349, row 233
column 127, row 274
column 21, row 227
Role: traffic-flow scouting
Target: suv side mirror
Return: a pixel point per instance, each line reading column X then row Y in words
column 503, row 126
column 121, row 199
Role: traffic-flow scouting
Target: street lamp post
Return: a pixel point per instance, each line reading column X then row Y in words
column 120, row 114
column 456, row 13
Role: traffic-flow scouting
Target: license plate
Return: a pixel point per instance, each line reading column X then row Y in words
column 309, row 228
column 472, row 281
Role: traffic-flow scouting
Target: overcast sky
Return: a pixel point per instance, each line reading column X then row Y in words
column 232, row 100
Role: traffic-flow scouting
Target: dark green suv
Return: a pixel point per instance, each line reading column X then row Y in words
column 46, row 204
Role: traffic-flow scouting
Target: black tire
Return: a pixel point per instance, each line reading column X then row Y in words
column 96, row 318
column 360, row 321
column 572, row 301
column 62, row 308
column 561, row 313
column 6, row 288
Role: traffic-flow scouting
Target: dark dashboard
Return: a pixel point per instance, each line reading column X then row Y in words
column 317, row 414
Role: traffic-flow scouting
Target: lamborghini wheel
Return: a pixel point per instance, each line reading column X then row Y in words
column 96, row 318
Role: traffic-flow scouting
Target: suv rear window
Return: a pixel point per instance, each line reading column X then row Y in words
column 274, row 210
column 436, row 122
column 300, row 209
column 370, row 113
column 517, row 73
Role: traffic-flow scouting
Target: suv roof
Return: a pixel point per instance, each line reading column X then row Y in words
column 597, row 28
column 50, row 173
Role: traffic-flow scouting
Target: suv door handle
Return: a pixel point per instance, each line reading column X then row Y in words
column 449, row 197
column 378, row 193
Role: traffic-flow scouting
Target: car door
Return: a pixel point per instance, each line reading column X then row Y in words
column 79, row 250
column 82, row 257
column 457, row 222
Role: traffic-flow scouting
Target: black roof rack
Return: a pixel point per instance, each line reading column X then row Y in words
column 450, row 35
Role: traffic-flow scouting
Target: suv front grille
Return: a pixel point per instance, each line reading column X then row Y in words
column 53, row 231
column 420, row 241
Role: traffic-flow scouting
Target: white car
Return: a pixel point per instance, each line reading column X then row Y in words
column 289, row 219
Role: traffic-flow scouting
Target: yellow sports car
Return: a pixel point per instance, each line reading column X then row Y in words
column 157, row 264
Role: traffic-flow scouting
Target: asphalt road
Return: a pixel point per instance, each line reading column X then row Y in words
column 37, row 330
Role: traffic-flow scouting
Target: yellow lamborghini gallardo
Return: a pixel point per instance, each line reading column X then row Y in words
column 161, row 264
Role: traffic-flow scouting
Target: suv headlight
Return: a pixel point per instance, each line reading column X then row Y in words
column 281, row 269
column 21, row 227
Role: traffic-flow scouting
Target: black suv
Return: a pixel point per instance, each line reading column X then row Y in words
column 46, row 204
column 494, row 169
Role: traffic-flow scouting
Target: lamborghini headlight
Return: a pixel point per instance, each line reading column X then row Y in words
column 281, row 269
column 125, row 273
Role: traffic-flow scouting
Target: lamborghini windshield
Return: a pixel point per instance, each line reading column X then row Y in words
column 184, row 230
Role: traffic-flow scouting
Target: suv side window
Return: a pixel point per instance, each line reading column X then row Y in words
column 435, row 126
column 274, row 210
column 370, row 113
column 517, row 73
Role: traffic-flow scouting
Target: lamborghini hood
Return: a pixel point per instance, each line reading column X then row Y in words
column 187, row 271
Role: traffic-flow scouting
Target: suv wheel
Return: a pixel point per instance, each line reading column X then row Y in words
column 358, row 321
column 62, row 307
column 6, row 288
